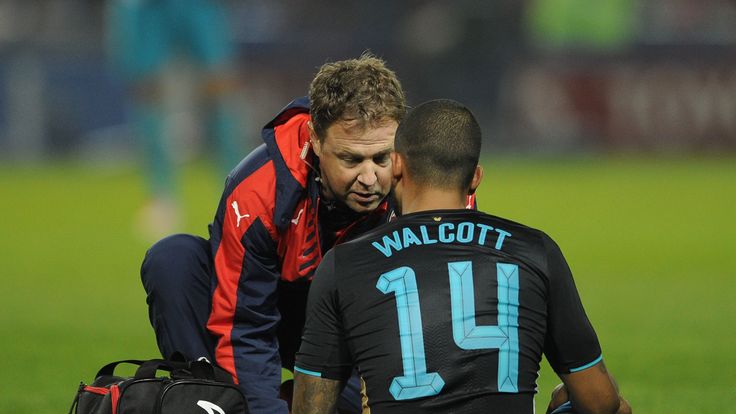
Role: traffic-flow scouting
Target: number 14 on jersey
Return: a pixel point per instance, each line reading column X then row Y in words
column 416, row 381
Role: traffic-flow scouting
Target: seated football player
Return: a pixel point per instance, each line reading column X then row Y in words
column 447, row 309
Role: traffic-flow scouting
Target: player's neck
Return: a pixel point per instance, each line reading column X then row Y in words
column 423, row 199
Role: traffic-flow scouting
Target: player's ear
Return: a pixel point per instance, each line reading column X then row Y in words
column 397, row 166
column 314, row 140
column 475, row 182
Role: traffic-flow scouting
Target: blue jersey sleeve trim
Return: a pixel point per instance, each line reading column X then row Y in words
column 308, row 372
column 586, row 366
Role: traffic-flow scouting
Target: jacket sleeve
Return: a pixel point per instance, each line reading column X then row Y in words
column 244, row 314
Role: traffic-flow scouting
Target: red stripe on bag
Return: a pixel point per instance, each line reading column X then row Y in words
column 97, row 390
column 115, row 391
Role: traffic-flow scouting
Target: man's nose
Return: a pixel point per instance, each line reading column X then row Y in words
column 367, row 176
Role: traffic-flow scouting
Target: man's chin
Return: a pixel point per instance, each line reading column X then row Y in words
column 363, row 207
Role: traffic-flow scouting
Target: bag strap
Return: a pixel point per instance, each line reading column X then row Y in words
column 176, row 360
column 109, row 369
column 74, row 404
column 76, row 398
column 148, row 368
column 205, row 369
column 201, row 369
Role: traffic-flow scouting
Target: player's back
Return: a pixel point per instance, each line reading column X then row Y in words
column 447, row 311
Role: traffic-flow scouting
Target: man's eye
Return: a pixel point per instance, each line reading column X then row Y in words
column 382, row 159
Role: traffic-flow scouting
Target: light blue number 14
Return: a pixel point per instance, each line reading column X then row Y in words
column 416, row 382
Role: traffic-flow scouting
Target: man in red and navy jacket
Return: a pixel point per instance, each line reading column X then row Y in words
column 321, row 176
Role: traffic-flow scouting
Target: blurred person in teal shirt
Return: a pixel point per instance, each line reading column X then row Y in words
column 144, row 39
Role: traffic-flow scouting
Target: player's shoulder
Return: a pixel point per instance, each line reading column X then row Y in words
column 510, row 226
column 537, row 239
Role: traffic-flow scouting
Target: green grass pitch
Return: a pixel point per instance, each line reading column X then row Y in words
column 652, row 244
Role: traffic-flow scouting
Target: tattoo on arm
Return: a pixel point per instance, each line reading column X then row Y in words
column 315, row 395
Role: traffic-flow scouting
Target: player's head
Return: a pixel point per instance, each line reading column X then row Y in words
column 355, row 108
column 438, row 146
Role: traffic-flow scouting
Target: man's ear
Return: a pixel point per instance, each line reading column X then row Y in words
column 314, row 140
column 397, row 166
column 477, row 178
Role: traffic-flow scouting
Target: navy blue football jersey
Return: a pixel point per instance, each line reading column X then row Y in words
column 446, row 311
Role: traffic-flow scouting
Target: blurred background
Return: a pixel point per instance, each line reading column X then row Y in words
column 551, row 76
column 611, row 124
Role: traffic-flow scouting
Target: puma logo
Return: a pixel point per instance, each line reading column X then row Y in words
column 210, row 407
column 237, row 213
column 298, row 216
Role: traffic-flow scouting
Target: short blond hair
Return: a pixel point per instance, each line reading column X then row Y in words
column 363, row 89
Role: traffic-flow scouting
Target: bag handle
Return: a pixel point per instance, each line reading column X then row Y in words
column 201, row 369
column 205, row 369
column 148, row 368
column 109, row 369
column 196, row 369
column 75, row 403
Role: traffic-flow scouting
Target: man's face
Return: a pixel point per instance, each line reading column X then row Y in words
column 355, row 163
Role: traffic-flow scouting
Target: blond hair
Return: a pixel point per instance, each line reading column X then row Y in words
column 362, row 89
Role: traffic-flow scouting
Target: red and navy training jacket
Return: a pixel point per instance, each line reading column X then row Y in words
column 266, row 234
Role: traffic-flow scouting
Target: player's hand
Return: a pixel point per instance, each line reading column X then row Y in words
column 559, row 397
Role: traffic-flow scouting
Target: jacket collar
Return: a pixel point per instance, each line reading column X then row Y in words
column 286, row 137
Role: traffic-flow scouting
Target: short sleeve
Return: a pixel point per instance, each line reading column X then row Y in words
column 323, row 351
column 571, row 343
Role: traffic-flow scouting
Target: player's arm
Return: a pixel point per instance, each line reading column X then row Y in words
column 592, row 390
column 572, row 347
column 315, row 395
column 323, row 363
